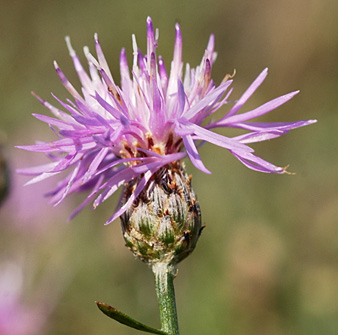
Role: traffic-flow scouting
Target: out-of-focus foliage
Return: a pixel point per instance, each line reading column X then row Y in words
column 267, row 261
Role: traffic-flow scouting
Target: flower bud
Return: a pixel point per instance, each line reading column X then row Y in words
column 164, row 222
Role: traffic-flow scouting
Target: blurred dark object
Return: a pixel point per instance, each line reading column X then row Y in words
column 4, row 172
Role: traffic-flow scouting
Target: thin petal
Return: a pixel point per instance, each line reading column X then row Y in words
column 278, row 126
column 258, row 164
column 214, row 138
column 95, row 164
column 193, row 154
column 40, row 177
column 66, row 83
column 36, row 170
column 83, row 76
column 259, row 111
column 258, row 137
column 88, row 199
column 208, row 101
column 247, row 94
column 140, row 186
column 69, row 184
column 176, row 65
column 54, row 122
column 101, row 58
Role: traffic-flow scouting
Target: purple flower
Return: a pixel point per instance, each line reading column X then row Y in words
column 16, row 316
column 111, row 135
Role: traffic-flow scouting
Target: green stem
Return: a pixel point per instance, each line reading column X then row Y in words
column 164, row 282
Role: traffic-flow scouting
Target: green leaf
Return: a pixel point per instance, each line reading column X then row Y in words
column 126, row 320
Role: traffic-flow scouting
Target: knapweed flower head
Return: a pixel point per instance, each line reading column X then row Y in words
column 110, row 135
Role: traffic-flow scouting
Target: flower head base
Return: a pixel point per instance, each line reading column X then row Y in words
column 164, row 223
column 111, row 136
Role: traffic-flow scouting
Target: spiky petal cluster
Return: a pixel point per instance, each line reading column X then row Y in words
column 111, row 135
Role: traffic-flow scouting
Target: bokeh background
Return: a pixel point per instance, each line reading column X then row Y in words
column 267, row 262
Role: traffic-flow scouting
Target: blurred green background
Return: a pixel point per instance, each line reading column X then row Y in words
column 267, row 262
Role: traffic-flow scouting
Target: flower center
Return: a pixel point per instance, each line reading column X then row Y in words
column 136, row 148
